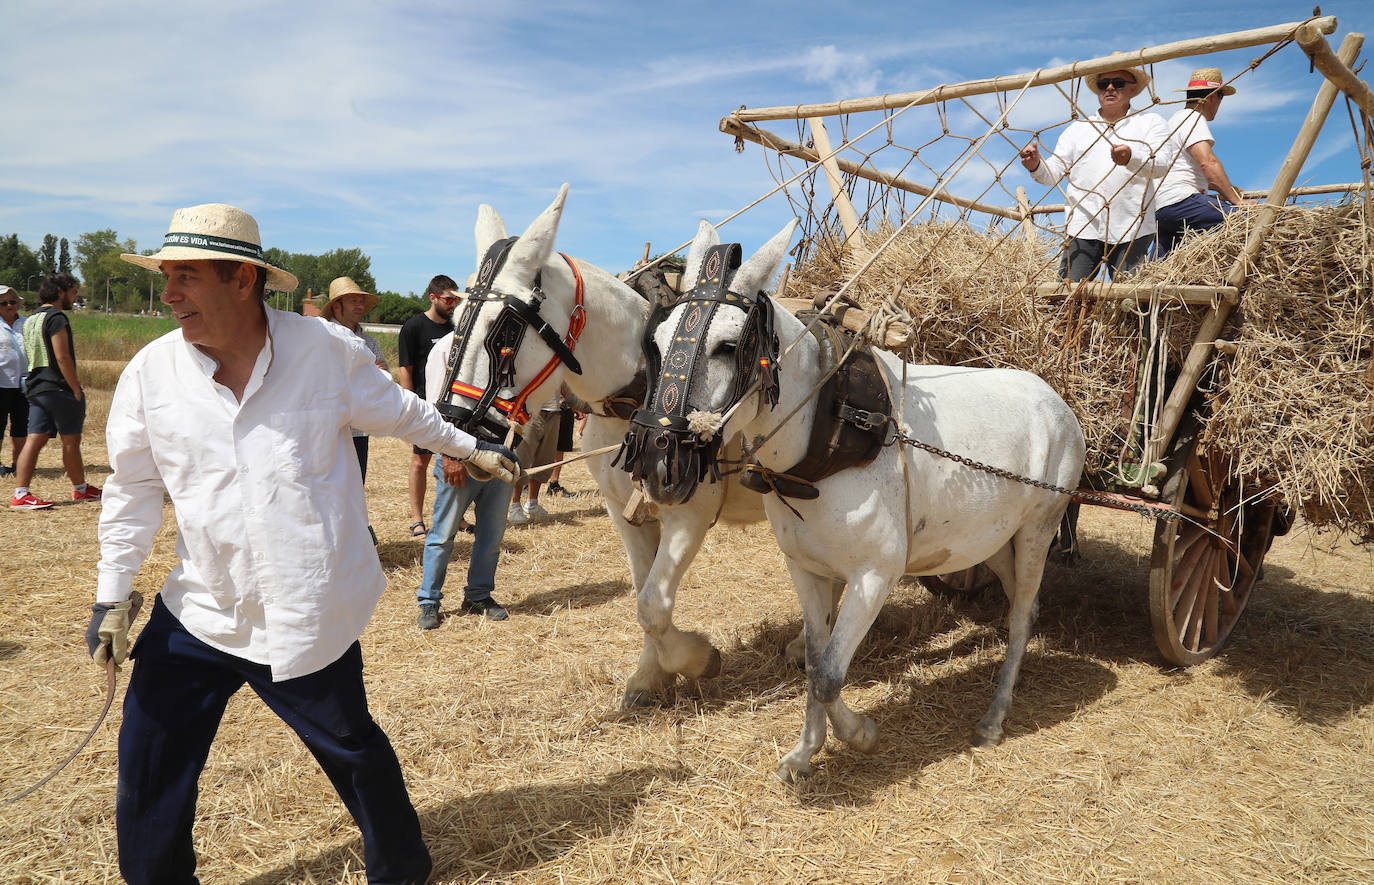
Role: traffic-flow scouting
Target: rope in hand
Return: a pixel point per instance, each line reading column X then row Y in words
column 109, row 700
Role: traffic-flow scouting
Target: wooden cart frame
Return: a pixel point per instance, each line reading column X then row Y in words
column 1204, row 568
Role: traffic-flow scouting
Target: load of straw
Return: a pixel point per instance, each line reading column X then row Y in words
column 1293, row 405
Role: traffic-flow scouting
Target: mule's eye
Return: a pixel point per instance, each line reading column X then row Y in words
column 726, row 348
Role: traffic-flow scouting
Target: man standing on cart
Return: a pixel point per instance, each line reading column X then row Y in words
column 1113, row 162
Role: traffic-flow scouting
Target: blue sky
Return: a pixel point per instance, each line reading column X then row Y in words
column 383, row 125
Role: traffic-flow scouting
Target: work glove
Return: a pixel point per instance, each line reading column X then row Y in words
column 491, row 459
column 107, row 636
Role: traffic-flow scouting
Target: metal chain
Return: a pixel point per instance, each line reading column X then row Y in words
column 1085, row 497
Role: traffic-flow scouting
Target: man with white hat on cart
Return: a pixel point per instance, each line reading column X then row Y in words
column 242, row 417
column 1113, row 162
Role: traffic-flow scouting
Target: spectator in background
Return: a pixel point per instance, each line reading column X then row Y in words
column 416, row 339
column 538, row 446
column 14, row 406
column 57, row 404
column 347, row 305
column 456, row 488
column 1113, row 161
column 1184, row 203
column 569, row 421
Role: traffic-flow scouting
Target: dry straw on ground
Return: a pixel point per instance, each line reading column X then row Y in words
column 1256, row 767
column 1293, row 404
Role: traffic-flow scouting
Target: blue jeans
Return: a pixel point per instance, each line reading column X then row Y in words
column 491, row 502
column 1198, row 212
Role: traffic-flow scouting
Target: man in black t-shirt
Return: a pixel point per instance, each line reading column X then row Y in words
column 417, row 337
column 57, row 403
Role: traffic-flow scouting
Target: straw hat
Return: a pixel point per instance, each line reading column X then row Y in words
column 1208, row 78
column 1142, row 79
column 214, row 231
column 342, row 286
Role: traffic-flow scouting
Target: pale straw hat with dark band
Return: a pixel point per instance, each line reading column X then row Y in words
column 1142, row 79
column 342, row 286
column 214, row 231
column 1208, row 79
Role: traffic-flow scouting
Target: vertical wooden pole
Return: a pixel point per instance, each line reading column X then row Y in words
column 1205, row 339
column 782, row 283
column 1023, row 203
column 843, row 207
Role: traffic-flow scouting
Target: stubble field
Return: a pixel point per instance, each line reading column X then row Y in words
column 1257, row 766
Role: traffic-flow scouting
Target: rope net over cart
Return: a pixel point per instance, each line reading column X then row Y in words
column 1251, row 341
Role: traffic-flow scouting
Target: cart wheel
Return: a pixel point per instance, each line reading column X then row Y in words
column 1204, row 566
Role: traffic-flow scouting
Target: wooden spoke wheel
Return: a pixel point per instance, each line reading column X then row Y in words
column 1204, row 566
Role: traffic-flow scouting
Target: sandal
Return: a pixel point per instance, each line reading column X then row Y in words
column 418, row 530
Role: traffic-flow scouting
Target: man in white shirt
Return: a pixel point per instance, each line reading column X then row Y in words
column 1184, row 203
column 242, row 417
column 14, row 406
column 1113, row 161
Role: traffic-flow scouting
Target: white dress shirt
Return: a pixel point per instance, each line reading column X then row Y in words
column 277, row 566
column 14, row 365
column 1107, row 202
column 1185, row 178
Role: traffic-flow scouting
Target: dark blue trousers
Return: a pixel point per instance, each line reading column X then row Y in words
column 172, row 709
column 1198, row 212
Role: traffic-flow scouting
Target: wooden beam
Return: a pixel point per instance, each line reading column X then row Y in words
column 1096, row 290
column 1198, row 46
column 791, row 149
column 896, row 336
column 1317, row 49
column 1201, row 351
column 1351, row 188
column 840, row 197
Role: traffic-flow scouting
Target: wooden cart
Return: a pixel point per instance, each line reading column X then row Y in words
column 1203, row 569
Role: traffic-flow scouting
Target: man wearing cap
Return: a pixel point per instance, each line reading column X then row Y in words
column 14, row 406
column 241, row 416
column 1184, row 203
column 347, row 305
column 57, row 404
column 1113, row 161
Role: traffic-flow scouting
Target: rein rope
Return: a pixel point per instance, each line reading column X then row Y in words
column 109, row 700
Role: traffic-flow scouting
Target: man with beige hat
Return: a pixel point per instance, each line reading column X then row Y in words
column 1184, row 203
column 1113, row 162
column 241, row 416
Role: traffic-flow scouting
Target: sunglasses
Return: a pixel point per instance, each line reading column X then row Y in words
column 9, row 303
column 1117, row 83
column 448, row 299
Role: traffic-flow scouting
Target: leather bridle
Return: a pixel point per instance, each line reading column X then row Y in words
column 661, row 428
column 490, row 415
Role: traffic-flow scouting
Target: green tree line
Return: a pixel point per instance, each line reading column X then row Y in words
column 109, row 282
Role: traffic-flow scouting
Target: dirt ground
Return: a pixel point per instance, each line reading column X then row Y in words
column 1257, row 766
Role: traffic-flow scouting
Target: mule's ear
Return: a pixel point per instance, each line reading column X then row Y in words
column 490, row 228
column 707, row 236
column 535, row 245
column 759, row 268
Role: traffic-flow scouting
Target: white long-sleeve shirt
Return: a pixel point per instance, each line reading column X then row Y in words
column 277, row 566
column 1107, row 202
column 14, row 365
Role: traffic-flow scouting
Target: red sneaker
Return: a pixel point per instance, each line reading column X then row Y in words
column 30, row 501
column 91, row 494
